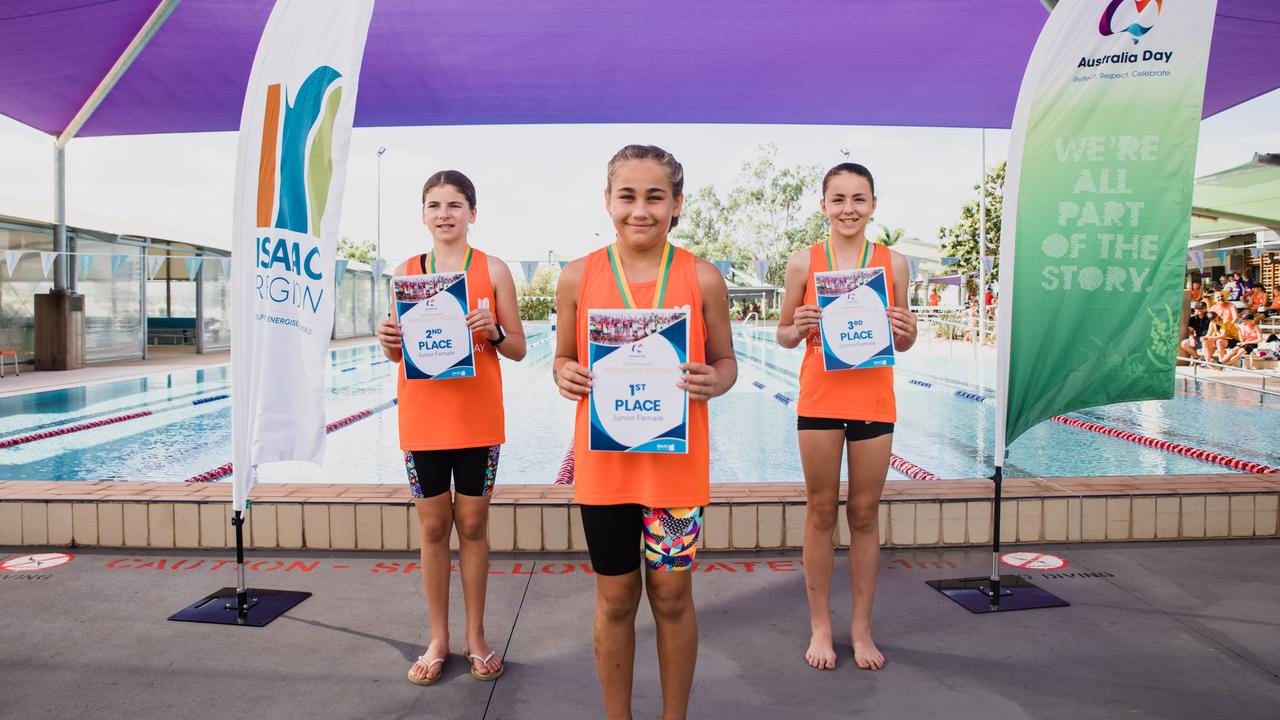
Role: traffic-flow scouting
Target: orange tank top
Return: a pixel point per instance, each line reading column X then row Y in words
column 459, row 412
column 865, row 394
column 650, row 479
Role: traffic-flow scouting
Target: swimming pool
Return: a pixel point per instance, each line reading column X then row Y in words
column 178, row 425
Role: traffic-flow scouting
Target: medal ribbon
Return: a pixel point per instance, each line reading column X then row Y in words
column 862, row 261
column 620, row 276
column 466, row 262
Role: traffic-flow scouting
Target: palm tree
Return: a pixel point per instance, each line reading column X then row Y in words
column 889, row 236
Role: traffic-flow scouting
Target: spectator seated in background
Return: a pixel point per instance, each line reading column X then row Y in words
column 1222, row 335
column 1224, row 309
column 1257, row 299
column 934, row 298
column 1197, row 326
column 1196, row 291
column 1250, row 338
column 1273, row 309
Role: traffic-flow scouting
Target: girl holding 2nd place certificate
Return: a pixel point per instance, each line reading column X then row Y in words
column 629, row 495
column 453, row 428
column 851, row 409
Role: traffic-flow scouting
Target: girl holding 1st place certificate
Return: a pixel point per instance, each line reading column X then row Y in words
column 839, row 409
column 453, row 428
column 629, row 495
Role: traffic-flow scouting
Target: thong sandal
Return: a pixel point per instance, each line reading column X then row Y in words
column 428, row 679
column 484, row 661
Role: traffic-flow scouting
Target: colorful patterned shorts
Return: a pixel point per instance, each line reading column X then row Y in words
column 670, row 537
column 472, row 470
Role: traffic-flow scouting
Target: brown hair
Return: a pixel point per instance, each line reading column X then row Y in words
column 852, row 169
column 453, row 179
column 675, row 171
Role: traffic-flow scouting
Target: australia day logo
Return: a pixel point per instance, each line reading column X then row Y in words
column 1135, row 17
column 294, row 170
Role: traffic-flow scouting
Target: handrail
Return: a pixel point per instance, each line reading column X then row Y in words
column 1262, row 391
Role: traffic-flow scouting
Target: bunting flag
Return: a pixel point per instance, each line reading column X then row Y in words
column 913, row 269
column 762, row 270
column 118, row 262
column 13, row 257
column 340, row 268
column 530, row 268
column 153, row 265
column 1222, row 257
column 226, row 267
column 377, row 266
column 563, row 263
column 723, row 266
column 46, row 262
column 988, row 262
column 86, row 262
column 949, row 260
column 193, row 267
column 1197, row 257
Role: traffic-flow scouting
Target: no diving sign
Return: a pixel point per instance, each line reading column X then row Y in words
column 1033, row 561
column 34, row 563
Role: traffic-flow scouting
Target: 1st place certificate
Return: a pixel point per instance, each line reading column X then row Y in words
column 433, row 316
column 636, row 401
column 855, row 326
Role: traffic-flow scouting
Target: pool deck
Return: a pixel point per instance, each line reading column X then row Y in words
column 1154, row 630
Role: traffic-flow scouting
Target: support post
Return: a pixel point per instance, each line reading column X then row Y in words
column 982, row 245
column 240, row 605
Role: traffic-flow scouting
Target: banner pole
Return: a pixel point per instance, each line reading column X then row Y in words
column 242, row 594
column 995, row 539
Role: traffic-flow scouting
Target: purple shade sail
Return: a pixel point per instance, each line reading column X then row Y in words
column 951, row 63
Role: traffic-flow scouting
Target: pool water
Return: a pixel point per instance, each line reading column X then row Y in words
column 752, row 427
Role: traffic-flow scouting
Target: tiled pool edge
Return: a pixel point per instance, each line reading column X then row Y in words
column 536, row 518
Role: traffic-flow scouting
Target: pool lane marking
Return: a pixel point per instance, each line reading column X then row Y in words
column 224, row 470
column 1208, row 456
column 897, row 462
column 68, row 429
column 1173, row 447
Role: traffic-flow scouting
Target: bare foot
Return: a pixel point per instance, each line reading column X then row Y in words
column 478, row 646
column 821, row 654
column 435, row 650
column 865, row 653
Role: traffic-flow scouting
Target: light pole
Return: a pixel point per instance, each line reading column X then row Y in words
column 377, row 253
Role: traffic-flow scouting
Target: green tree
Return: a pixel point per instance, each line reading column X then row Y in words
column 888, row 236
column 704, row 229
column 362, row 250
column 537, row 298
column 759, row 218
column 960, row 240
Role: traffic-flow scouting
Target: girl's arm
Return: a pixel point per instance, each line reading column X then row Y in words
column 705, row 381
column 572, row 379
column 508, row 311
column 796, row 320
column 901, row 320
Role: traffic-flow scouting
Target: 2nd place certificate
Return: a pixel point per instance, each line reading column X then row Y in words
column 432, row 310
column 636, row 402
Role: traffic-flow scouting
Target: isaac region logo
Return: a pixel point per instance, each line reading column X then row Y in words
column 296, row 163
column 1135, row 17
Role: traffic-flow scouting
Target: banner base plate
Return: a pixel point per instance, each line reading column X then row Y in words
column 1016, row 593
column 220, row 607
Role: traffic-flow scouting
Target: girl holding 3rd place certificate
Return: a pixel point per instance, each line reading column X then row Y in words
column 453, row 428
column 629, row 495
column 851, row 409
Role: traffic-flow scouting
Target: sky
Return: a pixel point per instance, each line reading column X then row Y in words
column 539, row 188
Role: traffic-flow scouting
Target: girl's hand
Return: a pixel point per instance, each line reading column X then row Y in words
column 573, row 380
column 699, row 380
column 806, row 318
column 903, row 323
column 481, row 320
column 389, row 334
